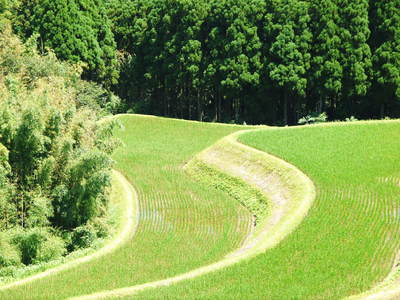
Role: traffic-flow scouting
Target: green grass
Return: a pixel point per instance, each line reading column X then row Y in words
column 349, row 240
column 183, row 224
column 250, row 197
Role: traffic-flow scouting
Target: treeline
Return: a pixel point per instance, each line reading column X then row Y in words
column 55, row 164
column 258, row 61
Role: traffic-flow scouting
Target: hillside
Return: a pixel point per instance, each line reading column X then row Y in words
column 182, row 224
column 346, row 244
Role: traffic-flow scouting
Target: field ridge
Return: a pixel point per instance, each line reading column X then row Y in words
column 289, row 203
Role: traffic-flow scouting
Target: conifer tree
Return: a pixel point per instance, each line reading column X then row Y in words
column 235, row 49
column 77, row 31
column 290, row 53
column 355, row 51
column 260, row 60
column 326, row 72
column 385, row 45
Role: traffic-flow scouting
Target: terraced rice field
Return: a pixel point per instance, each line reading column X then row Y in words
column 183, row 224
column 347, row 243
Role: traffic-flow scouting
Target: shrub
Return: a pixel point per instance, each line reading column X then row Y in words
column 83, row 237
column 9, row 254
column 351, row 119
column 38, row 245
column 313, row 118
column 52, row 248
column 8, row 271
column 28, row 243
column 101, row 227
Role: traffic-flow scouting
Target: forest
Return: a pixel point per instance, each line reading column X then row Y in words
column 258, row 61
column 55, row 164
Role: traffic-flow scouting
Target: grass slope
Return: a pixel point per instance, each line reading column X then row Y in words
column 349, row 240
column 277, row 193
column 183, row 224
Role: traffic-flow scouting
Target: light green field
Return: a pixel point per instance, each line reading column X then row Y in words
column 350, row 238
column 346, row 244
column 183, row 224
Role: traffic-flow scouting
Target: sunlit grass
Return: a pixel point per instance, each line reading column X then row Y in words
column 349, row 240
column 183, row 224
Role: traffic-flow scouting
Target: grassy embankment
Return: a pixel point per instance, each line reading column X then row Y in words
column 350, row 238
column 278, row 195
column 183, row 224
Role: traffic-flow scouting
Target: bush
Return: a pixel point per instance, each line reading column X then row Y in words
column 9, row 254
column 351, row 119
column 38, row 245
column 94, row 96
column 313, row 118
column 28, row 243
column 101, row 227
column 8, row 271
column 52, row 248
column 83, row 237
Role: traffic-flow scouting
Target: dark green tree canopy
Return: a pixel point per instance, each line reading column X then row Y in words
column 355, row 50
column 259, row 61
column 78, row 31
column 385, row 44
column 326, row 68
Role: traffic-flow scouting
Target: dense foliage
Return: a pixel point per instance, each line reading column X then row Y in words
column 77, row 31
column 259, row 61
column 54, row 156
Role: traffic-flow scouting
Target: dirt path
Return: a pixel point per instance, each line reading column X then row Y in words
column 264, row 172
column 128, row 228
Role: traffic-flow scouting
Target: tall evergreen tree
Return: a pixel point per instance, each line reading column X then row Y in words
column 260, row 60
column 385, row 45
column 326, row 72
column 355, row 51
column 77, row 31
column 235, row 48
column 290, row 53
column 131, row 24
column 182, row 55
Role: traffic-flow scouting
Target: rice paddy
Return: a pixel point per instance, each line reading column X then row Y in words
column 277, row 193
column 349, row 240
column 347, row 243
column 183, row 224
